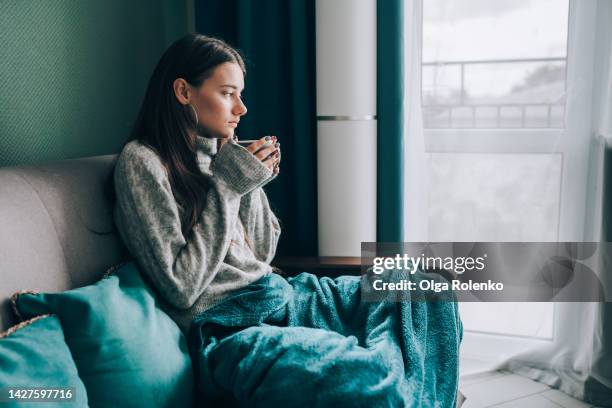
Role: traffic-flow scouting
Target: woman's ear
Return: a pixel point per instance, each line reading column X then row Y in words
column 182, row 91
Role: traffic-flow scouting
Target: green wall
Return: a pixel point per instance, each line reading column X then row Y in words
column 73, row 72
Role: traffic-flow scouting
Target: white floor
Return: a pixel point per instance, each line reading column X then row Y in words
column 502, row 389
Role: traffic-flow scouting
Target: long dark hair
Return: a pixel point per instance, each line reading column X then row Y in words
column 168, row 127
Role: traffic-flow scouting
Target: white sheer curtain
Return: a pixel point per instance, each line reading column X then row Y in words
column 416, row 228
column 580, row 354
column 521, row 163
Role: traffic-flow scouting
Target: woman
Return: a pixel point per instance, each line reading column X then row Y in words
column 191, row 210
column 194, row 247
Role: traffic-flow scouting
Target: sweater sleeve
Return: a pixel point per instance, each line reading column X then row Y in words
column 261, row 224
column 148, row 219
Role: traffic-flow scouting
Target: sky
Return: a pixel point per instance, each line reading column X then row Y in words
column 470, row 30
column 485, row 29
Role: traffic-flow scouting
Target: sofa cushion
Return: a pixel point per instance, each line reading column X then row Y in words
column 34, row 355
column 58, row 231
column 128, row 352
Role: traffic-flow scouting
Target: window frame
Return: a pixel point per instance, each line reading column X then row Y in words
column 572, row 142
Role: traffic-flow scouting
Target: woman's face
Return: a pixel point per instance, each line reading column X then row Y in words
column 218, row 101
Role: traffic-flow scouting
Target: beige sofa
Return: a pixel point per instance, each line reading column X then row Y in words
column 56, row 228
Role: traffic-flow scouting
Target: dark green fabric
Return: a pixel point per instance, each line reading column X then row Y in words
column 595, row 391
column 278, row 40
column 37, row 356
column 129, row 353
column 390, row 112
column 315, row 342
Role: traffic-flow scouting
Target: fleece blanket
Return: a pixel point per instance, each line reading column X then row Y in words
column 312, row 341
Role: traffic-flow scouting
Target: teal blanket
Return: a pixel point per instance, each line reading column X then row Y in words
column 312, row 342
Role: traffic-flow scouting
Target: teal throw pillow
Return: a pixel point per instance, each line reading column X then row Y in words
column 129, row 353
column 36, row 367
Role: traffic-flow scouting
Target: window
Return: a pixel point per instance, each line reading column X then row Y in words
column 505, row 104
column 494, row 64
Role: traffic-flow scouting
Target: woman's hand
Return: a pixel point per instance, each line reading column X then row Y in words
column 267, row 150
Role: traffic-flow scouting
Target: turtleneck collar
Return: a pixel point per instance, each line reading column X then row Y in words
column 207, row 145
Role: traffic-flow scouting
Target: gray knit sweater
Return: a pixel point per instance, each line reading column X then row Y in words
column 193, row 273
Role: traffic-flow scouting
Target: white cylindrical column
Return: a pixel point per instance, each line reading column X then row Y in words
column 346, row 130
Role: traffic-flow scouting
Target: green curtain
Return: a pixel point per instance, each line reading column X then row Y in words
column 278, row 40
column 595, row 391
column 390, row 112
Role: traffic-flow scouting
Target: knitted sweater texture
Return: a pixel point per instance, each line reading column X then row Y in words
column 192, row 273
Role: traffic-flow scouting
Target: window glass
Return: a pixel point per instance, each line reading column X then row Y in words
column 494, row 64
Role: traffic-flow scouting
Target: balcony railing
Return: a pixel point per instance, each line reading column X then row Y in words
column 465, row 114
